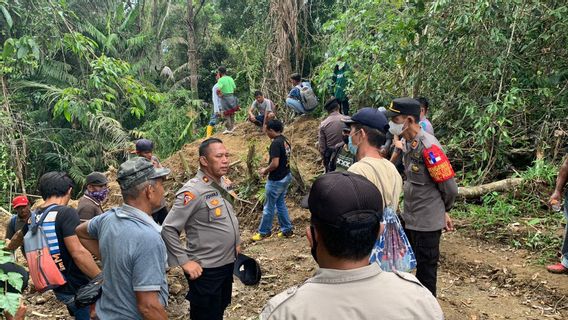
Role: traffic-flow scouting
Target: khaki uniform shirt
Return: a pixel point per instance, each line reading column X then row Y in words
column 204, row 211
column 330, row 132
column 383, row 174
column 363, row 293
column 425, row 201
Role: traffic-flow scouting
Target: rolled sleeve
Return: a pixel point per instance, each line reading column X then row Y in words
column 175, row 222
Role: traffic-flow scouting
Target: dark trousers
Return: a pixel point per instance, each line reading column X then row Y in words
column 344, row 107
column 210, row 294
column 327, row 160
column 426, row 246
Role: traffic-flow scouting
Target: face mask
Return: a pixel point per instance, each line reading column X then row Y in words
column 395, row 129
column 100, row 196
column 314, row 245
column 351, row 146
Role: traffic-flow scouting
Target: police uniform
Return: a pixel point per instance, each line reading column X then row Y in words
column 362, row 293
column 429, row 192
column 204, row 210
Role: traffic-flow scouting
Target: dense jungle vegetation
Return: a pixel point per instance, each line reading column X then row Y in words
column 82, row 79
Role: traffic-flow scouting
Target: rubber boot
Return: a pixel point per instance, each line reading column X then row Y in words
column 209, row 132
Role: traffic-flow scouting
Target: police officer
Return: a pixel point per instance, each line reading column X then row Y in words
column 203, row 208
column 345, row 219
column 429, row 191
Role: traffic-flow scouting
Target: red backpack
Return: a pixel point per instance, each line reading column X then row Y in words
column 43, row 270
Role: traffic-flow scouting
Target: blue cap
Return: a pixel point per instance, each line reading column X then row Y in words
column 370, row 117
column 144, row 145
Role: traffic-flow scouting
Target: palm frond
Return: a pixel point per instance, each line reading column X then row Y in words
column 95, row 33
column 138, row 41
column 52, row 93
column 57, row 71
column 181, row 68
column 110, row 130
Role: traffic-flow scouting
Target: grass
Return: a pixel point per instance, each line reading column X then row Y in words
column 519, row 218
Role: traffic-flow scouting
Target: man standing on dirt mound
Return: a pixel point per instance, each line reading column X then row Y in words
column 367, row 135
column 229, row 103
column 556, row 204
column 203, row 208
column 429, row 191
column 345, row 221
column 279, row 178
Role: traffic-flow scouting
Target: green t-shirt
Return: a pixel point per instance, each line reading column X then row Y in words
column 226, row 84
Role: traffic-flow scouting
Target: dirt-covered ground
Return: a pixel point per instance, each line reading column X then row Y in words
column 476, row 280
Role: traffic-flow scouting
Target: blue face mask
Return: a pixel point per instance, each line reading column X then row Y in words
column 352, row 147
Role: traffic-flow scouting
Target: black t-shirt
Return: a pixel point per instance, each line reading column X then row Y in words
column 280, row 148
column 66, row 221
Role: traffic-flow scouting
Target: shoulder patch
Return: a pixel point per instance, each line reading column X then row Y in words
column 187, row 197
column 437, row 164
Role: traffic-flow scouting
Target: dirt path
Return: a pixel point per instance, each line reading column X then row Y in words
column 476, row 281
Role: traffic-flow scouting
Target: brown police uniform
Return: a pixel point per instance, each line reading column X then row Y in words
column 203, row 209
column 362, row 293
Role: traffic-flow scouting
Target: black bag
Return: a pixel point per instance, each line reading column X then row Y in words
column 89, row 293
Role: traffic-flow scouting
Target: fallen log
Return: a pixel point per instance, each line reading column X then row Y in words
column 478, row 191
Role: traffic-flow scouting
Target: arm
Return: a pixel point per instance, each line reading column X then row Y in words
column 184, row 205
column 271, row 167
column 560, row 182
column 449, row 191
column 149, row 306
column 250, row 111
column 81, row 257
column 321, row 141
column 86, row 240
column 16, row 241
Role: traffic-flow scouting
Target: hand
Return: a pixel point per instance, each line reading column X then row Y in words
column 555, row 198
column 398, row 144
column 252, row 118
column 192, row 269
column 449, row 225
column 238, row 249
column 262, row 171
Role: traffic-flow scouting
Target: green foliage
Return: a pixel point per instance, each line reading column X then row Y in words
column 7, row 176
column 9, row 301
column 174, row 122
column 494, row 74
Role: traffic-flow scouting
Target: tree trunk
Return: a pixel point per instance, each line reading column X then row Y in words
column 192, row 62
column 17, row 155
column 478, row 191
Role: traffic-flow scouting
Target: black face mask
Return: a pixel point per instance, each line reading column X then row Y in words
column 346, row 139
column 315, row 244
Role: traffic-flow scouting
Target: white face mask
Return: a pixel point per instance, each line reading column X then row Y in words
column 395, row 129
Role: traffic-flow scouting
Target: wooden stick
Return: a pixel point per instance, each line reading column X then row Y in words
column 5, row 211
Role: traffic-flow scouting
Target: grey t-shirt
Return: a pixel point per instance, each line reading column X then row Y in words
column 262, row 108
column 134, row 259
